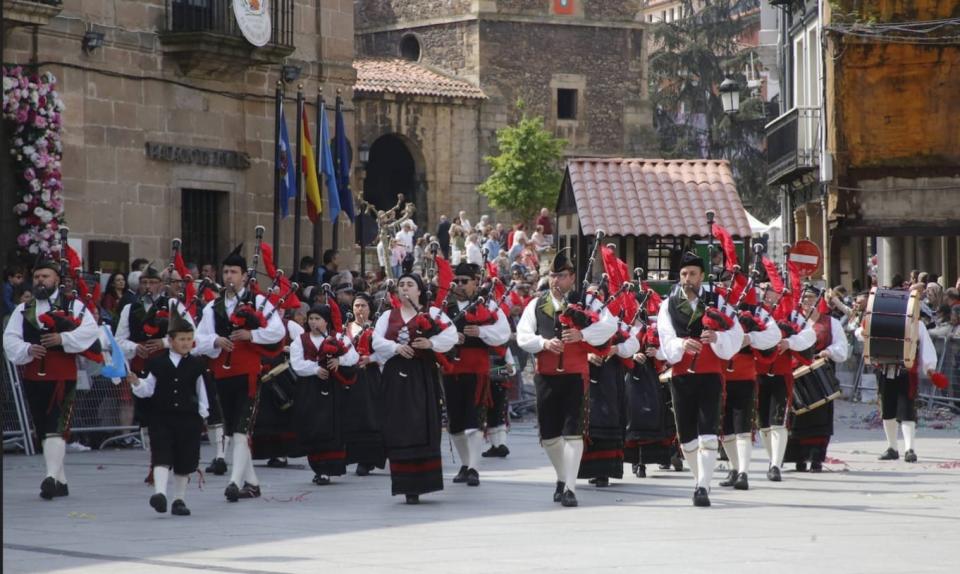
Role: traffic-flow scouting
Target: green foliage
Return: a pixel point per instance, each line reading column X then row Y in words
column 527, row 173
column 692, row 56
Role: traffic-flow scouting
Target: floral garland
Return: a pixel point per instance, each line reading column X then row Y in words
column 33, row 107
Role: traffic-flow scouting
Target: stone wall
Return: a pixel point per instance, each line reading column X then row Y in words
column 374, row 13
column 128, row 93
column 452, row 47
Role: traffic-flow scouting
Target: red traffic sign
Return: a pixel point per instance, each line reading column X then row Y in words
column 806, row 256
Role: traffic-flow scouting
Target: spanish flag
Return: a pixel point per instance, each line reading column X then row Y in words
column 309, row 167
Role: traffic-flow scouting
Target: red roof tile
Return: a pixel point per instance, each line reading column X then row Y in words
column 655, row 197
column 397, row 76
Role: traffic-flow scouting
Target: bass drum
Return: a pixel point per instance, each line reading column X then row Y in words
column 891, row 326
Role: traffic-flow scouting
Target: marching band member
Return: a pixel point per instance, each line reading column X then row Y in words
column 362, row 422
column 497, row 416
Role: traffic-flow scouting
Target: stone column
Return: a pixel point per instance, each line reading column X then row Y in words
column 889, row 259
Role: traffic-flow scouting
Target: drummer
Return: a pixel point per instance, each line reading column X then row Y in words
column 898, row 395
column 810, row 432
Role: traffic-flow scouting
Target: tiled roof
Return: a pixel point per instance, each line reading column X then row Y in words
column 397, row 76
column 655, row 197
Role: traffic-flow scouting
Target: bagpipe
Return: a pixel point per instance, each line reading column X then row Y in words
column 714, row 319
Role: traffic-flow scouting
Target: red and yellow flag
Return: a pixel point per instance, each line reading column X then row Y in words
column 309, row 166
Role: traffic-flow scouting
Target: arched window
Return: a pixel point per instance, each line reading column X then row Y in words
column 410, row 48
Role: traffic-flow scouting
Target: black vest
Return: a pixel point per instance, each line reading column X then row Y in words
column 221, row 319
column 546, row 325
column 452, row 310
column 139, row 315
column 176, row 389
column 681, row 319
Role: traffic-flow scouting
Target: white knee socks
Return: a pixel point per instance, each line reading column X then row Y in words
column 778, row 443
column 730, row 448
column 474, row 448
column 242, row 462
column 744, row 450
column 179, row 486
column 707, row 459
column 572, row 453
column 54, row 451
column 690, row 455
column 554, row 449
column 909, row 429
column 497, row 435
column 890, row 430
column 160, row 476
column 461, row 446
column 215, row 433
column 765, row 439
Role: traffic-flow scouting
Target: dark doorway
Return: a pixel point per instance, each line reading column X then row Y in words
column 392, row 171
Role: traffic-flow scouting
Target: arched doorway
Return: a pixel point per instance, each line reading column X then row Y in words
column 392, row 170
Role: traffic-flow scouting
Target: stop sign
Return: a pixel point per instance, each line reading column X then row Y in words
column 806, row 256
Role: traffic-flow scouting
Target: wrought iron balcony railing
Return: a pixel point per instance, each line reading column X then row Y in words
column 793, row 145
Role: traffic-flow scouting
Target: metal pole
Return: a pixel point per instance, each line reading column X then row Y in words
column 278, row 106
column 318, row 226
column 341, row 177
column 297, row 211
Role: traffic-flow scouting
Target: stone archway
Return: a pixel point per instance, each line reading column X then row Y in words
column 396, row 167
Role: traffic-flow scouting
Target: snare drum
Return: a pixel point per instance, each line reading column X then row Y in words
column 814, row 385
column 891, row 326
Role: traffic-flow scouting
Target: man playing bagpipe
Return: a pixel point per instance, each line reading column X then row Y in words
column 561, row 335
column 235, row 333
column 322, row 359
column 481, row 326
column 174, row 388
column 503, row 375
column 810, row 432
column 697, row 336
column 46, row 336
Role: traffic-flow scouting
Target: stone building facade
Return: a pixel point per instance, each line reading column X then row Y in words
column 580, row 64
column 169, row 124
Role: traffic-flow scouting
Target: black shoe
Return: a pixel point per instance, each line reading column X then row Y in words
column 664, row 466
column 363, row 470
column 321, row 479
column 601, row 482
column 801, row 467
column 816, row 466
column 741, row 483
column 701, row 497
column 558, row 493
column 731, row 479
column 249, row 491
column 773, row 475
column 461, row 475
column 503, row 451
column 910, row 456
column 491, row 452
column 217, row 466
column 568, row 499
column 277, row 462
column 62, row 489
column 48, row 488
column 179, row 508
column 159, row 502
column 473, row 477
column 640, row 471
column 232, row 492
column 413, row 499
column 677, row 463
column 890, row 454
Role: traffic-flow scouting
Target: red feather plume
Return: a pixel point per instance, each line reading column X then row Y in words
column 726, row 243
column 773, row 275
column 444, row 278
column 939, row 380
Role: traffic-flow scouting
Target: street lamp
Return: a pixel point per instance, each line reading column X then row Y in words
column 730, row 96
column 364, row 151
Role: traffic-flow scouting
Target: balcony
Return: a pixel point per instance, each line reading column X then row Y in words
column 793, row 145
column 30, row 12
column 203, row 37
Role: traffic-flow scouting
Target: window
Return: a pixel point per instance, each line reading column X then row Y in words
column 201, row 216
column 661, row 254
column 673, row 14
column 663, row 16
column 410, row 48
column 649, row 17
column 566, row 104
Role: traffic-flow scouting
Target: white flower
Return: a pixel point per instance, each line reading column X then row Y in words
column 8, row 83
column 29, row 150
column 34, row 248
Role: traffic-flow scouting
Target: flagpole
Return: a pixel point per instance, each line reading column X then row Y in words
column 277, row 107
column 338, row 174
column 318, row 226
column 297, row 210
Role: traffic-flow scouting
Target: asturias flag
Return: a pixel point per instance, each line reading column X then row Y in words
column 326, row 164
column 288, row 189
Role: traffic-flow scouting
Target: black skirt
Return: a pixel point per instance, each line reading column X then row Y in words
column 411, row 425
column 362, row 419
column 274, row 433
column 317, row 420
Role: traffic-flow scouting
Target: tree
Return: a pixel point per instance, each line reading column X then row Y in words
column 527, row 173
column 692, row 56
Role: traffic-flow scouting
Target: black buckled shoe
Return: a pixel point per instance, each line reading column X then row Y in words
column 48, row 488
column 321, row 479
column 701, row 497
column 159, row 502
column 503, row 451
column 773, row 474
column 741, row 483
column 249, row 491
column 232, row 492
column 473, row 477
column 910, row 456
column 890, row 454
column 558, row 493
column 600, row 481
column 490, row 452
column 413, row 499
column 677, row 463
column 461, row 475
column 731, row 479
column 363, row 470
column 217, row 466
column 801, row 467
column 62, row 489
column 816, row 466
column 179, row 508
column 569, row 499
column 640, row 470
column 277, row 462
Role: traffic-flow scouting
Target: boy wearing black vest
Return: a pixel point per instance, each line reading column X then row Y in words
column 178, row 405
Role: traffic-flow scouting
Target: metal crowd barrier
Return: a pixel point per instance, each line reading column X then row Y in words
column 14, row 416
